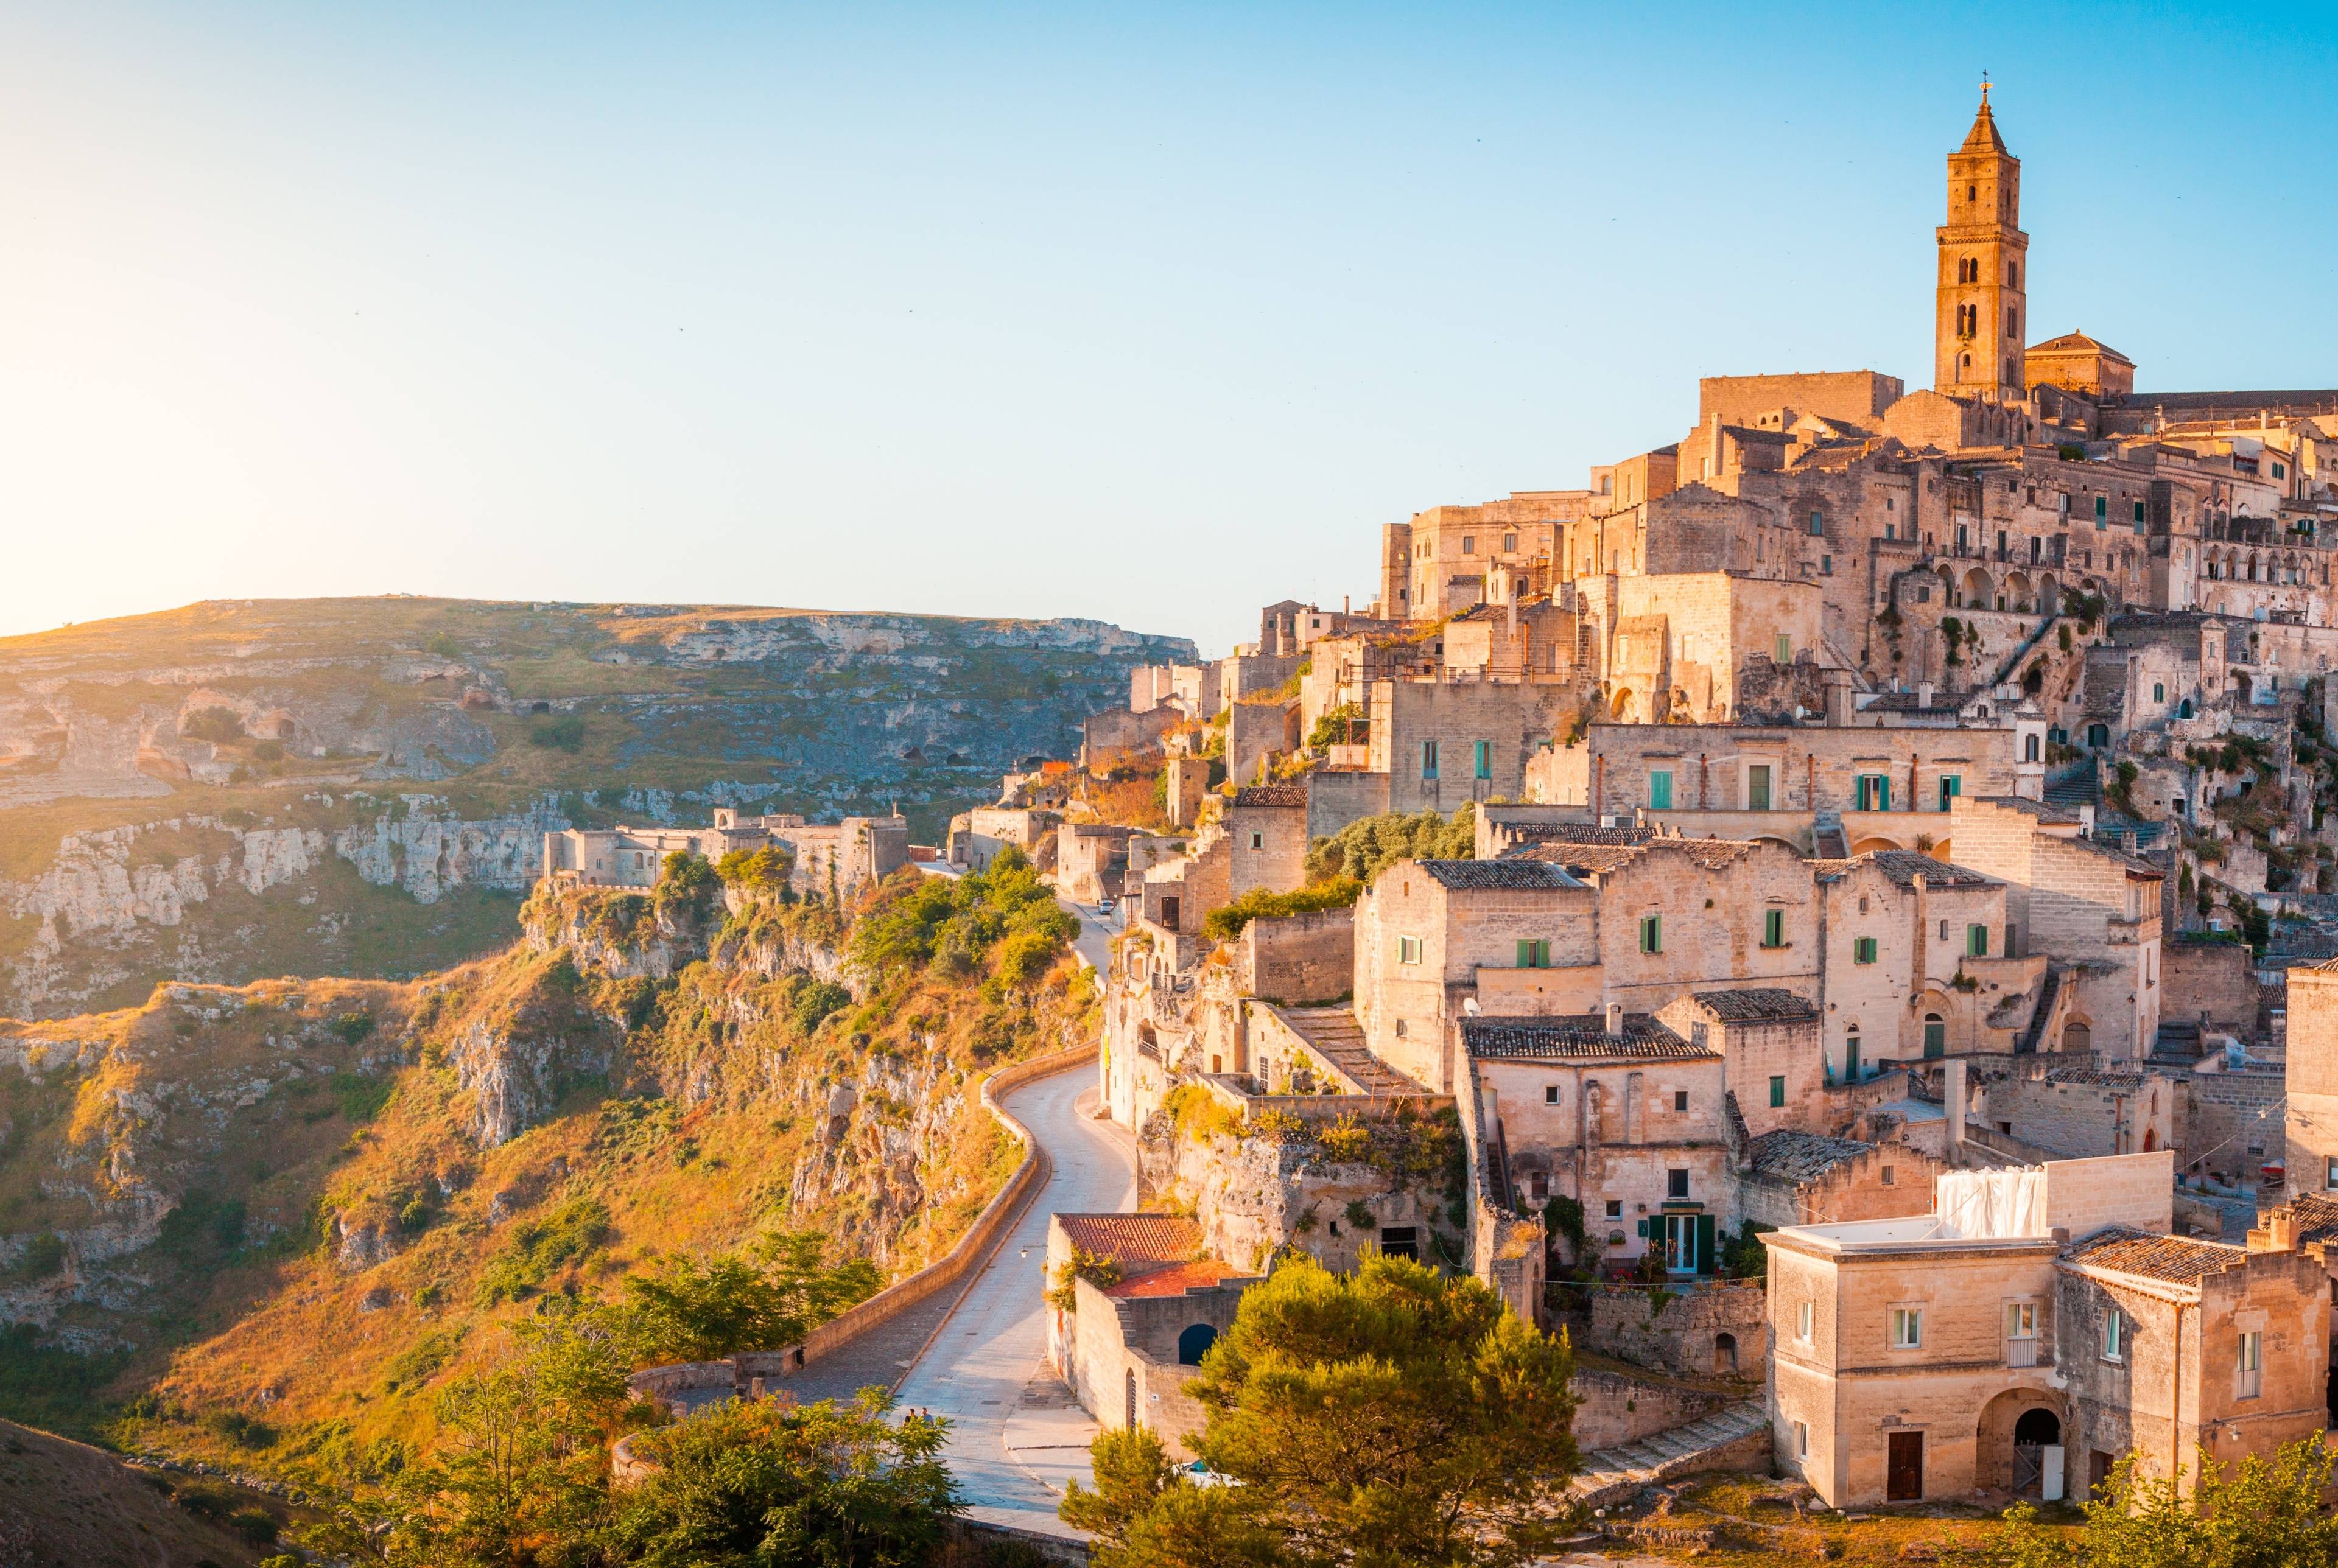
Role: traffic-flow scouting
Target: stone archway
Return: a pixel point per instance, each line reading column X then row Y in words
column 2077, row 1037
column 1875, row 842
column 2014, row 1428
column 1980, row 593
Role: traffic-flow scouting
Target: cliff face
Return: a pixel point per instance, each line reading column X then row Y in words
column 311, row 1200
column 360, row 787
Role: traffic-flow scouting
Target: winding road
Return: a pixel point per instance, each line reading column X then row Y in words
column 977, row 1356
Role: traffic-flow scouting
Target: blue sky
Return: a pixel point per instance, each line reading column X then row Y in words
column 1149, row 315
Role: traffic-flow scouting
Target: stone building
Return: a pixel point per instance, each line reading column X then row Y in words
column 825, row 860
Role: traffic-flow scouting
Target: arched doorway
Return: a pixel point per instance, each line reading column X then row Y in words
column 1195, row 1343
column 2076, row 1036
column 1936, row 1035
column 2013, row 1438
column 1724, row 1355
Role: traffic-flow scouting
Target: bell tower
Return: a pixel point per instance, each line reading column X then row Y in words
column 1982, row 304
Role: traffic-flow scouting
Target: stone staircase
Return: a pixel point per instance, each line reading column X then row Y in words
column 1612, row 1474
column 2074, row 787
column 1827, row 840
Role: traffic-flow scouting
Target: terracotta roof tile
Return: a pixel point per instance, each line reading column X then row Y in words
column 1799, row 1156
column 1275, row 795
column 1507, row 875
column 1174, row 1279
column 1575, row 1035
column 1135, row 1238
column 1757, row 1004
column 2176, row 1260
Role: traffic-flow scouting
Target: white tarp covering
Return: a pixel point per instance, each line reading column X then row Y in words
column 1993, row 1204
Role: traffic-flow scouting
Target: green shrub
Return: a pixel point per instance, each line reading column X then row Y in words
column 358, row 1098
column 353, row 1028
column 1365, row 848
column 565, row 733
column 538, row 1247
column 1226, row 922
column 220, row 726
column 42, row 1256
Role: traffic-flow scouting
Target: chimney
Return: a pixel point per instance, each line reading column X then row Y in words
column 1924, row 693
column 1838, row 699
column 1614, row 1020
column 1343, row 604
column 1952, row 1100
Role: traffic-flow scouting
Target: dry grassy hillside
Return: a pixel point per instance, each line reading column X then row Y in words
column 64, row 1504
column 266, row 1224
column 239, row 789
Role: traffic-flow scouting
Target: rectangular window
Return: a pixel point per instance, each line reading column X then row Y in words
column 1408, row 949
column 1680, row 1100
column 1818, row 525
column 1485, row 758
column 1952, row 785
column 1774, row 927
column 2102, row 511
column 2113, row 1336
column 1652, row 933
column 2021, row 1320
column 1802, row 1439
column 1660, row 790
column 1258, row 840
column 1777, row 1090
column 1675, row 1184
column 1907, row 1327
column 1863, row 950
column 1874, row 791
column 2138, row 517
column 1533, row 955
column 1615, row 1208
column 1757, row 787
column 1806, row 1321
column 1550, row 1094
column 1975, row 941
column 2330, row 1175
column 2248, row 1380
column 1509, row 541
column 1428, row 758
column 1468, row 546
column 1786, row 649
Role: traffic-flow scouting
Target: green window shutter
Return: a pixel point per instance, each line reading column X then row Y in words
column 1526, row 955
column 1485, row 760
column 1785, row 650
column 1977, row 941
column 1884, row 794
column 1660, row 790
column 1651, row 934
column 1643, row 1231
column 1777, row 1091
column 1863, row 950
column 1705, row 1261
column 1774, row 929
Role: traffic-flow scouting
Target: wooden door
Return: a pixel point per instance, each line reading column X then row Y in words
column 1904, row 1478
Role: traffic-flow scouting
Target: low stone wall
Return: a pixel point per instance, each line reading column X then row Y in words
column 992, row 1223
column 1613, row 1408
column 1680, row 1335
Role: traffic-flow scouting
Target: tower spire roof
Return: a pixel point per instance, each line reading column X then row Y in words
column 1983, row 136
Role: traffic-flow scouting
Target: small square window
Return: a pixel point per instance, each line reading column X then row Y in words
column 1907, row 1327
column 1408, row 949
column 1680, row 1100
column 1468, row 546
column 1774, row 927
column 1615, row 1208
column 1550, row 1094
column 1887, row 1175
column 1777, row 1089
column 1258, row 840
column 1675, row 1184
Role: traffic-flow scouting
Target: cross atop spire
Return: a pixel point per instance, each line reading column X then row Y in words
column 1984, row 89
column 1983, row 136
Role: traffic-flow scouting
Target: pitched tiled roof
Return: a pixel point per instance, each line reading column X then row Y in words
column 1575, row 1035
column 1904, row 866
column 1757, row 1004
column 1174, row 1279
column 1501, row 876
column 1799, row 1156
column 1582, row 859
column 1278, row 794
column 1575, row 833
column 2077, row 342
column 2176, row 1260
column 1135, row 1238
column 2316, row 1215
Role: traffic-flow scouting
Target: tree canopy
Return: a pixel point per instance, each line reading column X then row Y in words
column 1381, row 1419
column 763, row 1297
column 2260, row 1514
column 1369, row 846
column 1004, row 916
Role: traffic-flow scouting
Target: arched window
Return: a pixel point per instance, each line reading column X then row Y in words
column 1195, row 1343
